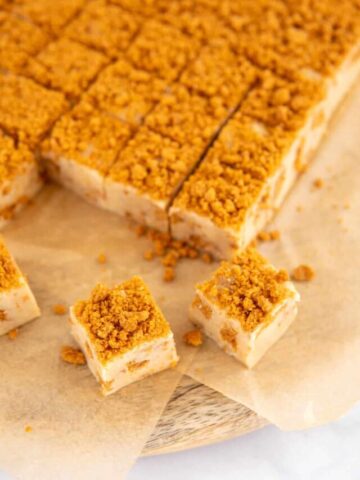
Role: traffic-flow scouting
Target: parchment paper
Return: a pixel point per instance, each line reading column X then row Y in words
column 77, row 433
column 311, row 376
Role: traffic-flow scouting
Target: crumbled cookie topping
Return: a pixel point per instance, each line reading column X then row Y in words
column 303, row 273
column 194, row 338
column 72, row 355
column 9, row 274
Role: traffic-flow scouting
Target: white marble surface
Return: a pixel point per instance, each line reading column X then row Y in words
column 330, row 452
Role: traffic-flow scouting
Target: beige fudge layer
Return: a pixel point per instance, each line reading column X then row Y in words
column 17, row 303
column 123, row 334
column 246, row 306
column 257, row 158
column 19, row 177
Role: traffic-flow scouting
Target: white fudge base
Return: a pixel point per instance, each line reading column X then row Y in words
column 142, row 361
column 17, row 306
column 247, row 347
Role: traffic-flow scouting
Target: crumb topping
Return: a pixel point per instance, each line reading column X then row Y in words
column 270, row 236
column 87, row 136
column 10, row 276
column 248, row 289
column 13, row 334
column 126, row 92
column 28, row 110
column 14, row 160
column 28, row 429
column 101, row 258
column 67, row 66
column 303, row 273
column 121, row 318
column 162, row 50
column 59, row 309
column 318, row 183
column 194, row 338
column 72, row 355
column 104, row 27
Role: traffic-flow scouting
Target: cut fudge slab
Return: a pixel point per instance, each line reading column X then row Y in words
column 123, row 334
column 125, row 92
column 17, row 303
column 82, row 147
column 66, row 66
column 19, row 40
column 162, row 50
column 146, row 174
column 246, row 306
column 104, row 27
column 28, row 110
column 19, row 177
column 252, row 165
column 51, row 15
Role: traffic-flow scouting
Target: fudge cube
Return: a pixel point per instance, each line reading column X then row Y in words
column 27, row 110
column 246, row 306
column 123, row 334
column 17, row 303
column 66, row 66
column 19, row 177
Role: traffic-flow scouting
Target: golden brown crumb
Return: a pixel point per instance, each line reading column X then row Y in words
column 9, row 274
column 59, row 309
column 72, row 355
column 101, row 258
column 303, row 273
column 12, row 335
column 28, row 428
column 149, row 255
column 3, row 316
column 207, row 258
column 248, row 289
column 169, row 274
column 318, row 183
column 119, row 319
column 193, row 338
column 268, row 236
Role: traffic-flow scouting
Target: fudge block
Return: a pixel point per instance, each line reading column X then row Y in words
column 17, row 303
column 123, row 334
column 246, row 306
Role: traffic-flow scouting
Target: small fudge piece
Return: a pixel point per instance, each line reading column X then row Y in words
column 66, row 66
column 246, row 306
column 126, row 92
column 51, row 15
column 162, row 50
column 27, row 110
column 123, row 334
column 19, row 177
column 17, row 303
column 19, row 40
column 82, row 147
column 104, row 27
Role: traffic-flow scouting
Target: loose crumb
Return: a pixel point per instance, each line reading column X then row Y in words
column 72, row 355
column 12, row 335
column 28, row 428
column 149, row 255
column 59, row 309
column 101, row 258
column 318, row 183
column 303, row 273
column 194, row 338
column 169, row 274
column 268, row 236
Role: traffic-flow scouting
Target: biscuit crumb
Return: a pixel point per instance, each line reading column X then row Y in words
column 268, row 236
column 318, row 183
column 101, row 258
column 169, row 274
column 72, row 355
column 194, row 338
column 303, row 273
column 28, row 428
column 149, row 255
column 59, row 309
column 12, row 335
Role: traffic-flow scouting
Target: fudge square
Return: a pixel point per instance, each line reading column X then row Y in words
column 123, row 334
column 246, row 306
column 17, row 303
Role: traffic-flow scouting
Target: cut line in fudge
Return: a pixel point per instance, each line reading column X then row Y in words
column 214, row 221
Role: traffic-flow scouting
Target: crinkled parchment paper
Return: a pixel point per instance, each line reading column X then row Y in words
column 78, row 433
column 311, row 376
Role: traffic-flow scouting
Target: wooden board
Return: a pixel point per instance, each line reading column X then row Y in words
column 196, row 416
